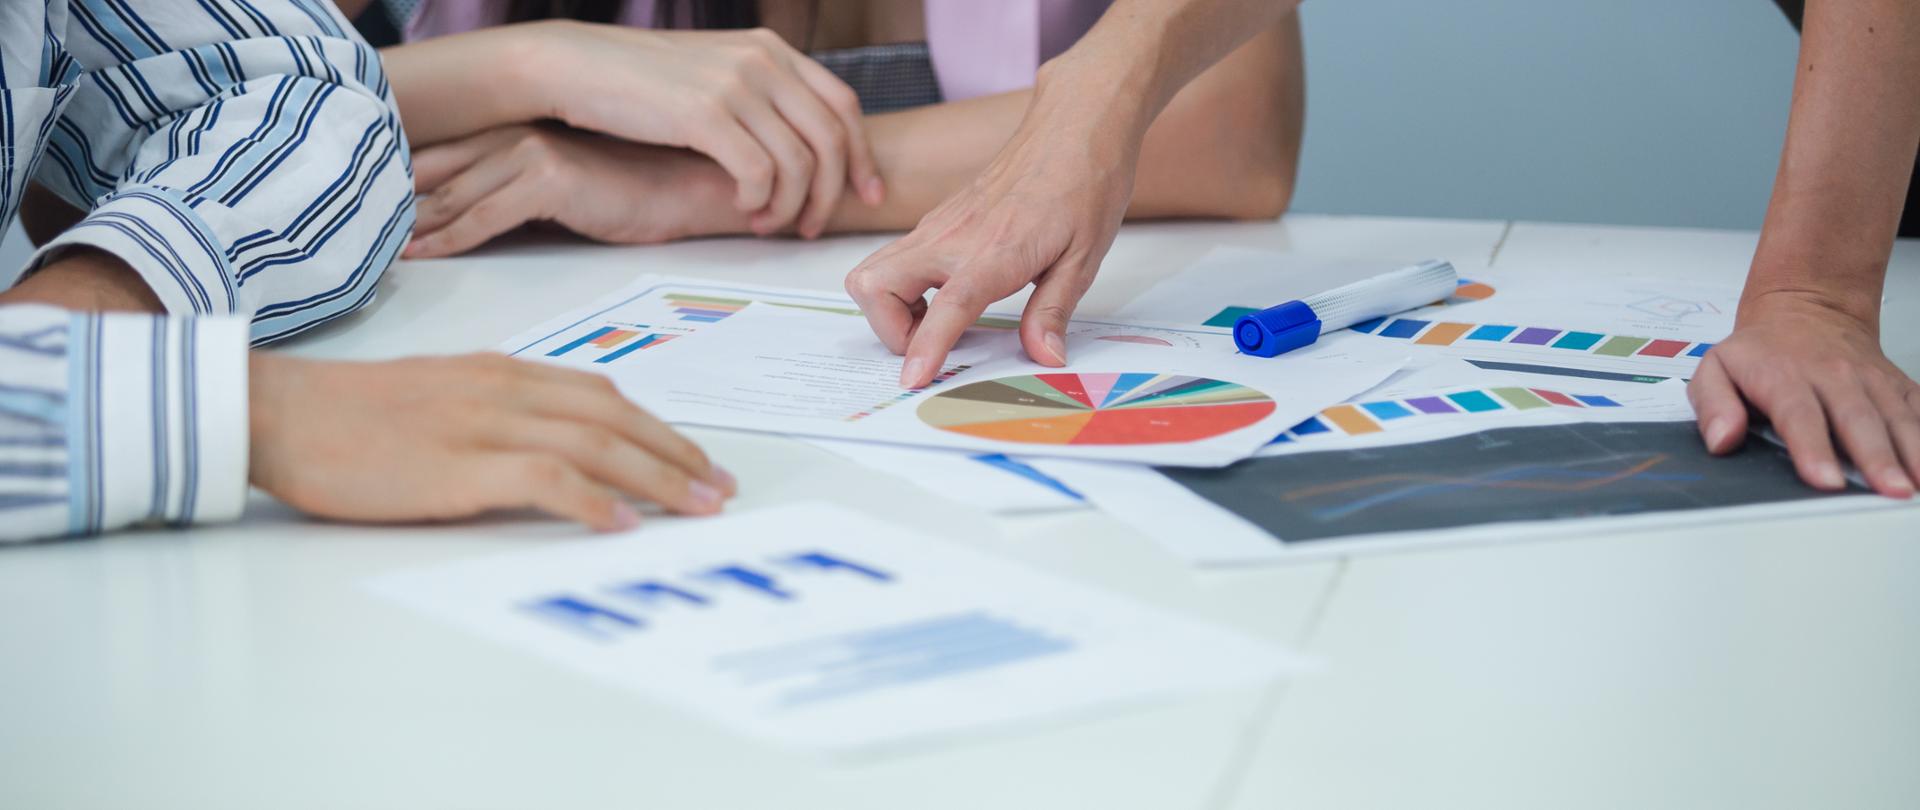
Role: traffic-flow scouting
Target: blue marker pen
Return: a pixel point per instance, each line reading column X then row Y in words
column 1299, row 323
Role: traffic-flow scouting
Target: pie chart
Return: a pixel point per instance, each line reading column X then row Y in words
column 1118, row 408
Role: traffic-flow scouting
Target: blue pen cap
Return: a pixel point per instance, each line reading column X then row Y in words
column 1276, row 330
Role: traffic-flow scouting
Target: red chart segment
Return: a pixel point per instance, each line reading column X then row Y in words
column 1104, row 409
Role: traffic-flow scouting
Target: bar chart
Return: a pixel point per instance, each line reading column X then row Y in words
column 1363, row 418
column 613, row 341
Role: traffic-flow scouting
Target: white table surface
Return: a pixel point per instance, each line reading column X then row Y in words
column 1747, row 665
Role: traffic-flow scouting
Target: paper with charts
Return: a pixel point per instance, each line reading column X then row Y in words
column 804, row 372
column 641, row 319
column 1615, row 329
column 814, row 626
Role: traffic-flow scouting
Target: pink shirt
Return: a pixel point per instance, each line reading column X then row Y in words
column 979, row 47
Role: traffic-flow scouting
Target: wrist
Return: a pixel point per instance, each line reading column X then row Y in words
column 264, row 379
column 1761, row 303
column 529, row 56
column 87, row 279
column 1832, row 284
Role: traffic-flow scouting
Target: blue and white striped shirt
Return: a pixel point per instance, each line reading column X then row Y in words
column 244, row 157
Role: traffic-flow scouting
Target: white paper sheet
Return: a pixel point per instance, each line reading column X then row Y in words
column 1620, row 327
column 807, row 373
column 640, row 321
column 993, row 482
column 814, row 626
column 1453, row 398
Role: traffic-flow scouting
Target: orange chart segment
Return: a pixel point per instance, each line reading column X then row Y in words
column 1054, row 409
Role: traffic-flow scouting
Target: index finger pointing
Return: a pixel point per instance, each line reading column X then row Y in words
column 948, row 317
column 887, row 304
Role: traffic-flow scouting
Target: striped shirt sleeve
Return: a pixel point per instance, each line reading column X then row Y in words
column 110, row 421
column 246, row 158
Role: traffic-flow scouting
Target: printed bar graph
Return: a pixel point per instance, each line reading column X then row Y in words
column 647, row 342
column 606, row 337
column 704, row 308
column 1443, row 334
column 1363, row 418
column 1350, row 420
column 621, row 342
column 1450, row 333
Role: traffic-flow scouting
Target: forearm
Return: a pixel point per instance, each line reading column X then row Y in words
column 1849, row 153
column 1227, row 146
column 1118, row 77
column 85, row 280
column 452, row 86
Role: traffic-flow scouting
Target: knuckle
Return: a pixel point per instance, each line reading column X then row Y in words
column 544, row 472
column 534, row 145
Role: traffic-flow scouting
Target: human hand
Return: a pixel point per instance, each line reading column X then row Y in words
column 445, row 438
column 786, row 129
column 1817, row 372
column 602, row 188
column 1044, row 212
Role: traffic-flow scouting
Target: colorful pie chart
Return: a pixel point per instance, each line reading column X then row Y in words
column 1119, row 408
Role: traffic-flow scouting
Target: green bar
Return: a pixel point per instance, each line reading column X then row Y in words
column 1621, row 346
column 1229, row 316
column 707, row 299
column 1521, row 398
column 997, row 323
column 815, row 308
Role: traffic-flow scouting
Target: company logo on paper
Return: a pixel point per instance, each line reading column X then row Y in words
column 627, row 607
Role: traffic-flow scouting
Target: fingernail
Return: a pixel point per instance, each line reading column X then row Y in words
column 624, row 517
column 725, row 480
column 1057, row 345
column 1901, row 485
column 704, row 496
column 1717, row 431
column 913, row 372
column 413, row 247
column 1829, row 476
column 873, row 191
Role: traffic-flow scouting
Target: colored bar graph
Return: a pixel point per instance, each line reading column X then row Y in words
column 1664, row 348
column 1578, row 341
column 1444, row 334
column 1350, row 420
column 582, row 341
column 1535, row 336
column 1449, row 333
column 1387, row 410
column 1474, row 401
column 1521, row 398
column 647, row 342
column 1556, row 398
column 1226, row 318
column 1620, row 346
column 1309, row 427
column 1362, row 418
column 1403, row 328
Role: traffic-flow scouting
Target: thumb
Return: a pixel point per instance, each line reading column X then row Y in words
column 1043, row 325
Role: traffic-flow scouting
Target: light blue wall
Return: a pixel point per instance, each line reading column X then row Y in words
column 1644, row 112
